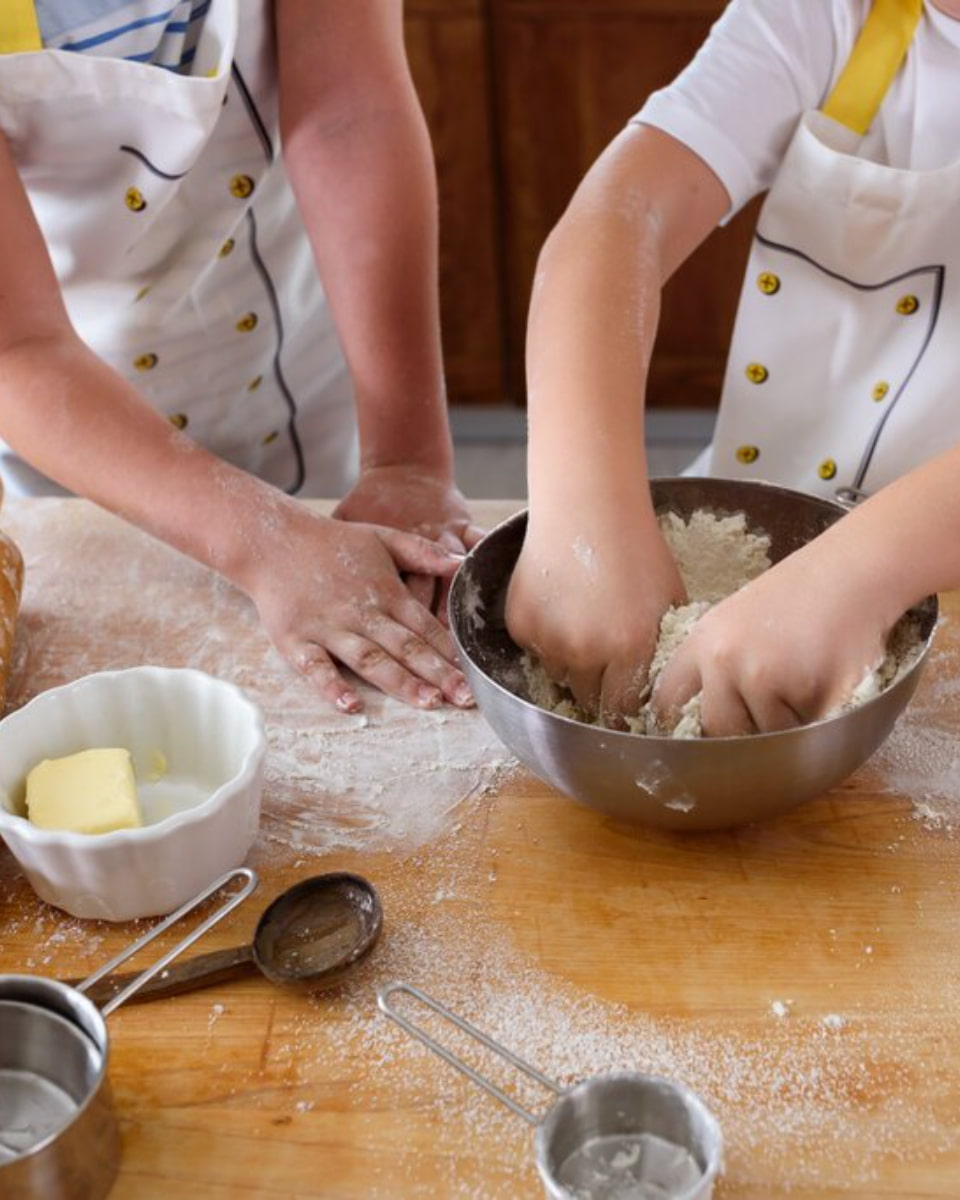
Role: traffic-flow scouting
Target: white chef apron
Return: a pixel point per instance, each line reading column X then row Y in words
column 844, row 361
column 178, row 245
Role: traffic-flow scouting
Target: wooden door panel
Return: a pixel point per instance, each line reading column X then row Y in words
column 521, row 96
column 569, row 76
column 448, row 49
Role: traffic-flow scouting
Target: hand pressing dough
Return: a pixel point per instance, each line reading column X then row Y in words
column 716, row 556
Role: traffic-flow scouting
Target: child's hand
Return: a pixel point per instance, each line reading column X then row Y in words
column 327, row 590
column 589, row 608
column 783, row 651
column 419, row 501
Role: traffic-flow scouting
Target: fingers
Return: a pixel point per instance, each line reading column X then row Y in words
column 418, row 555
column 414, row 618
column 724, row 712
column 472, row 535
column 421, row 588
column 450, row 541
column 584, row 683
column 439, row 608
column 622, row 693
column 729, row 711
column 313, row 663
column 771, row 713
column 408, row 655
column 728, row 708
column 678, row 683
column 377, row 666
column 429, row 654
column 403, row 665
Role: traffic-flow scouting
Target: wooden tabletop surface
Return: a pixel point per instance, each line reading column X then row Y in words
column 803, row 976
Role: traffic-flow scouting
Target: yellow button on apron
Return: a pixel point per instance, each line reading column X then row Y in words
column 757, row 373
column 241, row 186
column 180, row 420
column 907, row 305
column 880, row 390
column 226, row 248
column 271, row 437
column 144, row 291
column 768, row 283
column 254, row 383
column 827, row 469
column 247, row 322
column 134, row 200
column 748, row 454
column 145, row 362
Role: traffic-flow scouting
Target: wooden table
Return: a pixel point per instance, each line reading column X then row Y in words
column 802, row 975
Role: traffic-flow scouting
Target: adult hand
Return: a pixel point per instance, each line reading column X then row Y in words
column 327, row 590
column 419, row 501
column 783, row 651
column 589, row 607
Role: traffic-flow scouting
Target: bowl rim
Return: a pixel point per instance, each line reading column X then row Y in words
column 21, row 827
column 666, row 739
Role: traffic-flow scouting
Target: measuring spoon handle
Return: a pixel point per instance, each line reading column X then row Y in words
column 204, row 970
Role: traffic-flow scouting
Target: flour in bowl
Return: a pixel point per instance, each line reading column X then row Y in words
column 716, row 556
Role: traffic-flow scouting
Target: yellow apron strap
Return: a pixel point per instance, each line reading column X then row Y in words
column 19, row 30
column 874, row 60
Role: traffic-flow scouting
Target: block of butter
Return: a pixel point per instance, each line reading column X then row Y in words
column 93, row 791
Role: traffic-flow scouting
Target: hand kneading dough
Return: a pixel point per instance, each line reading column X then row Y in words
column 715, row 556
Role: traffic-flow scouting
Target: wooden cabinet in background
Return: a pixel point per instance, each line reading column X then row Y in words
column 448, row 48
column 521, row 96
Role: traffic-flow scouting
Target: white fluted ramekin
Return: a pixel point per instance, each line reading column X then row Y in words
column 198, row 746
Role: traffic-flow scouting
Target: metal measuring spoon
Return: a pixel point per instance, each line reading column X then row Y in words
column 311, row 934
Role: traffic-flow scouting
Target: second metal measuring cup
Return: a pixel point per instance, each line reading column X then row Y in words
column 605, row 1137
column 59, row 1137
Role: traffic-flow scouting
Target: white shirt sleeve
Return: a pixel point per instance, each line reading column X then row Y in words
column 763, row 65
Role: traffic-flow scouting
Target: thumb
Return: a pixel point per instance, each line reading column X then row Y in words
column 418, row 554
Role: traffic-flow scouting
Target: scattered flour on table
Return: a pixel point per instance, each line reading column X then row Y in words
column 821, row 1100
column 920, row 760
column 716, row 556
column 390, row 776
column 100, row 595
column 804, row 1103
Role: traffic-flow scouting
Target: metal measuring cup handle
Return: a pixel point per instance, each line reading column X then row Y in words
column 383, row 1003
column 119, row 997
column 203, row 970
column 579, row 1113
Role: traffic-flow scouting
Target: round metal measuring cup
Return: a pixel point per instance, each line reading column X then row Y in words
column 600, row 1128
column 59, row 1138
column 312, row 934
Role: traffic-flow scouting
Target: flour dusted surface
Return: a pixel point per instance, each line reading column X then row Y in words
column 854, row 1091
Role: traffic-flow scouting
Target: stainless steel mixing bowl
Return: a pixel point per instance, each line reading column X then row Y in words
column 708, row 783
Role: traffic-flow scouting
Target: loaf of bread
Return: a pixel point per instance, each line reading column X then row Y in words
column 11, row 585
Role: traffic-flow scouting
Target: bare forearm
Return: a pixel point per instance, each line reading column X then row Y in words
column 592, row 324
column 366, row 186
column 903, row 543
column 644, row 206
column 73, row 418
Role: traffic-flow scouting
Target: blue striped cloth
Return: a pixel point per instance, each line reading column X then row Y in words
column 161, row 32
